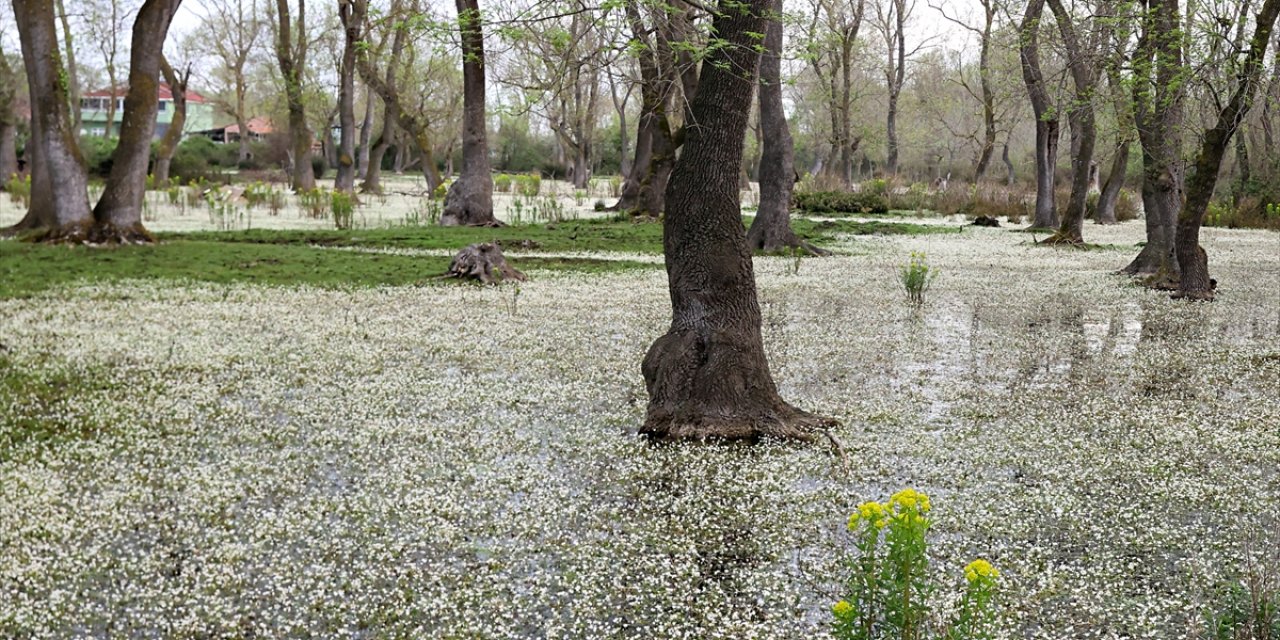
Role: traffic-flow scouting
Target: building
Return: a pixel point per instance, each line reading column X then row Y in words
column 259, row 128
column 94, row 108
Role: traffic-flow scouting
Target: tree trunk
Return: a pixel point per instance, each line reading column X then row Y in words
column 59, row 208
column 1110, row 194
column 988, row 94
column 1157, row 110
column 771, row 228
column 1195, row 283
column 708, row 376
column 366, row 135
column 651, row 108
column 1083, row 130
column 118, row 215
column 1012, row 178
column 73, row 74
column 1046, row 216
column 173, row 135
column 470, row 197
column 351, row 15
column 292, row 58
column 8, row 122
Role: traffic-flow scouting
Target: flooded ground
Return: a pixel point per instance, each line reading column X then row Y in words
column 425, row 462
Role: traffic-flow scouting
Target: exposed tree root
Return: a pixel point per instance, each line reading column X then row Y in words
column 780, row 421
column 1059, row 239
column 483, row 263
column 110, row 234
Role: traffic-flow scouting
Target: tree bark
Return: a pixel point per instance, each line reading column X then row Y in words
column 8, row 122
column 1194, row 282
column 895, row 77
column 292, row 58
column 1046, row 216
column 59, row 208
column 173, row 135
column 1157, row 108
column 641, row 192
column 366, row 135
column 771, row 228
column 351, row 14
column 73, row 73
column 1110, row 194
column 708, row 376
column 470, row 197
column 118, row 214
column 1083, row 130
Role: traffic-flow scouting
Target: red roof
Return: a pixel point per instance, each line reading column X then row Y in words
column 257, row 126
column 165, row 94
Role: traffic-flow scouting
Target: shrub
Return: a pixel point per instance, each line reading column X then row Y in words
column 97, row 152
column 887, row 593
column 841, row 202
column 315, row 202
column 19, row 188
column 343, row 206
column 502, row 182
column 194, row 159
column 528, row 184
column 1249, row 213
column 916, row 277
column 878, row 186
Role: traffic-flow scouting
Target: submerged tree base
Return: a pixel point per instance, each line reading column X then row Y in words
column 482, row 263
column 705, row 385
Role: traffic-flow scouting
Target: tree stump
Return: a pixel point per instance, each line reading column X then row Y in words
column 484, row 263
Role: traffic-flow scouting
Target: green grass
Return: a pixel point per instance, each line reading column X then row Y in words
column 307, row 257
column 37, row 401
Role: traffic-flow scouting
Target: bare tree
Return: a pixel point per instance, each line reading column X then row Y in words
column 1084, row 133
column 830, row 51
column 1047, row 132
column 985, row 94
column 73, row 72
column 173, row 135
column 109, row 22
column 231, row 30
column 891, row 21
column 291, row 55
column 351, row 13
column 470, row 197
column 771, row 228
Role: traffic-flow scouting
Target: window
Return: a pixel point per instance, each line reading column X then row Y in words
column 164, row 105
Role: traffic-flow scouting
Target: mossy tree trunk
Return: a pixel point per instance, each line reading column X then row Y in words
column 59, row 208
column 292, row 59
column 1158, row 96
column 708, row 376
column 1195, row 282
column 8, row 121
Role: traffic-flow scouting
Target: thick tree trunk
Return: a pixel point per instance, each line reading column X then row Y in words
column 470, row 197
column 1157, row 110
column 654, row 97
column 708, row 376
column 292, row 57
column 373, row 169
column 1083, row 130
column 771, row 228
column 59, row 208
column 173, row 135
column 1046, row 216
column 1195, row 283
column 351, row 15
column 118, row 215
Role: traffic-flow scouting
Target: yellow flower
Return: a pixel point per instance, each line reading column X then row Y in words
column 873, row 512
column 980, row 569
column 842, row 609
column 910, row 500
